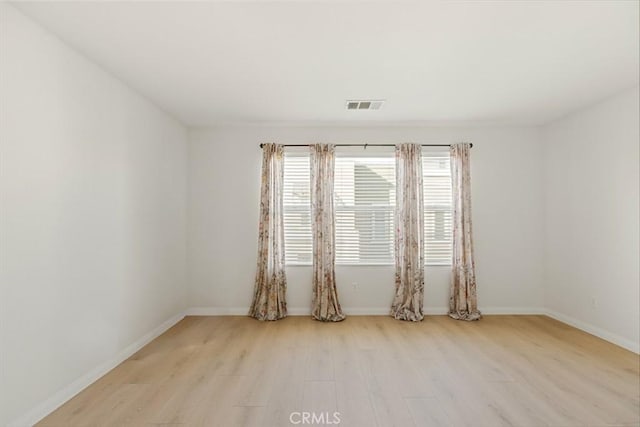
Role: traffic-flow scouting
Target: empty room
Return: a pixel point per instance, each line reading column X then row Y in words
column 320, row 213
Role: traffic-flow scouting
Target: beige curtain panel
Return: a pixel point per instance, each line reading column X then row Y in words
column 463, row 300
column 271, row 283
column 325, row 305
column 409, row 235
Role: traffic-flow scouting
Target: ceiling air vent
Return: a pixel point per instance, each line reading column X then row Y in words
column 368, row 104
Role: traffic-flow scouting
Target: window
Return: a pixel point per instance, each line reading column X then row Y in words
column 297, row 209
column 365, row 202
column 438, row 215
column 365, row 198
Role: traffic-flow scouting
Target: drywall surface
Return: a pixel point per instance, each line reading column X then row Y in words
column 224, row 174
column 93, row 216
column 591, row 189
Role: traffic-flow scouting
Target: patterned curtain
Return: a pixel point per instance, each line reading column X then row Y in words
column 271, row 282
column 409, row 234
column 325, row 305
column 463, row 300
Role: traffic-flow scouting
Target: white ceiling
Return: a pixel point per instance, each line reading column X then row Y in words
column 212, row 63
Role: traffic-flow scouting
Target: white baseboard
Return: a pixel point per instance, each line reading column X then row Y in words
column 594, row 330
column 439, row 311
column 292, row 311
column 512, row 310
column 217, row 311
column 354, row 311
column 434, row 311
column 61, row 396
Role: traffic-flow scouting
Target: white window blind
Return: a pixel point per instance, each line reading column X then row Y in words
column 297, row 209
column 436, row 182
column 365, row 202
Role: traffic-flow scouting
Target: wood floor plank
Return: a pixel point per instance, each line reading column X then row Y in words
column 354, row 404
column 426, row 412
column 319, row 397
column 389, row 408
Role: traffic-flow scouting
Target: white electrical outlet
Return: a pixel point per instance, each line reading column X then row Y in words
column 594, row 302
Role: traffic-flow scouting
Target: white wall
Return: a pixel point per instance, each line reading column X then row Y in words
column 224, row 187
column 592, row 186
column 93, row 216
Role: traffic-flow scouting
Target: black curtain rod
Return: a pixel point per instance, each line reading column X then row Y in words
column 368, row 145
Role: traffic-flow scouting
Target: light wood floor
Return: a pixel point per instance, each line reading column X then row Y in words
column 374, row 371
